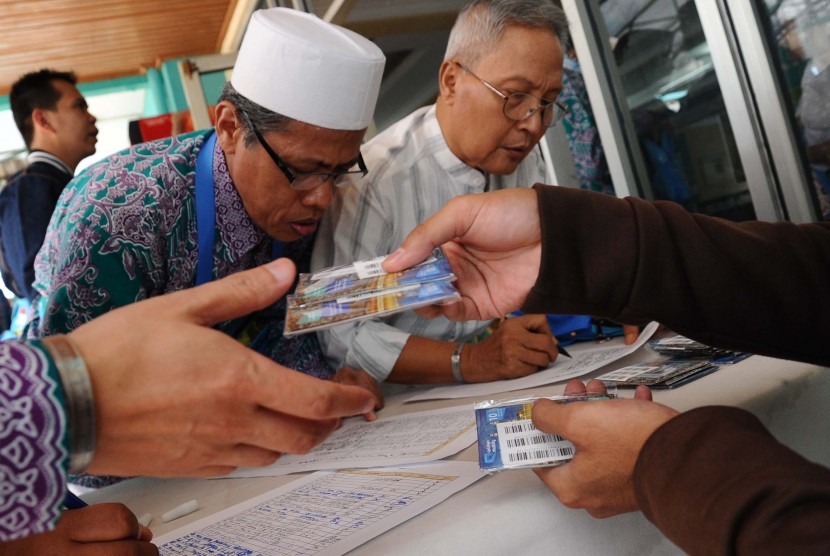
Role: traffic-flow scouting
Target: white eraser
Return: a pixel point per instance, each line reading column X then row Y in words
column 180, row 511
column 145, row 520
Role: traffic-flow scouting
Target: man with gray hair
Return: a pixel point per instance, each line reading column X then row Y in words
column 178, row 212
column 501, row 74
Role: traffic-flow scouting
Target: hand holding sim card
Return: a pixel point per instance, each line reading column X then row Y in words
column 607, row 437
column 509, row 439
column 363, row 290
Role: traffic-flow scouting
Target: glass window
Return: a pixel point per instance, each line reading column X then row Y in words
column 676, row 105
column 800, row 32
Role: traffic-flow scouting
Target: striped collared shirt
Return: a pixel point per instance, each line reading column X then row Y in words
column 412, row 174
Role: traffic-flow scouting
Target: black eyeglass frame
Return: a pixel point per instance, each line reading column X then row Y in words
column 543, row 103
column 300, row 176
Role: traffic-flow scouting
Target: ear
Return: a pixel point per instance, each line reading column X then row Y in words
column 448, row 81
column 228, row 128
column 40, row 120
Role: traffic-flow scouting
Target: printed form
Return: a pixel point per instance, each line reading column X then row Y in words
column 400, row 440
column 327, row 513
column 587, row 357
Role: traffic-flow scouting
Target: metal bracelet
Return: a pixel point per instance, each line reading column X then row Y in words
column 455, row 361
column 80, row 405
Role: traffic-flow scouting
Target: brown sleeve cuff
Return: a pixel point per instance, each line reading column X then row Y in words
column 715, row 481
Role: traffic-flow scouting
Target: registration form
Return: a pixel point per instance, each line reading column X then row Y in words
column 400, row 440
column 327, row 513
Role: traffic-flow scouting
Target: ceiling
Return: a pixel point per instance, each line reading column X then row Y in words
column 106, row 39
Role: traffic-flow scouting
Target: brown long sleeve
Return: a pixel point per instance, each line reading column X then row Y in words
column 715, row 481
column 752, row 286
column 712, row 479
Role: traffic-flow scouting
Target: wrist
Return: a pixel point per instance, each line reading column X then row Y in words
column 80, row 404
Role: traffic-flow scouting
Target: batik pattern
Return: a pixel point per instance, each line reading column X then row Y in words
column 33, row 456
column 125, row 230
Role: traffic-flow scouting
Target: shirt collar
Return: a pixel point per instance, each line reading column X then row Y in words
column 453, row 165
column 49, row 158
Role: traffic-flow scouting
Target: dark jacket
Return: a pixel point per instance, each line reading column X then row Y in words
column 26, row 205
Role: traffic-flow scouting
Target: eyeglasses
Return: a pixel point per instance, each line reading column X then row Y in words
column 304, row 181
column 520, row 106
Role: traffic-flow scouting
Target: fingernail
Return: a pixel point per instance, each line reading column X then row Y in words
column 281, row 269
column 395, row 255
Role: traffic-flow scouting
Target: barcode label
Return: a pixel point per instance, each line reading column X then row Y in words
column 521, row 443
column 369, row 269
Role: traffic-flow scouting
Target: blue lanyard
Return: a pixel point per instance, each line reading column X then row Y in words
column 206, row 213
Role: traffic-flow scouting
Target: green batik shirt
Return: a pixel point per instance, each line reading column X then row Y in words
column 125, row 230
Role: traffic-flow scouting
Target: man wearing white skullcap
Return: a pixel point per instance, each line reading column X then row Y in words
column 170, row 214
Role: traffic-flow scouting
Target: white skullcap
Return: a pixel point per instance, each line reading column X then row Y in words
column 297, row 65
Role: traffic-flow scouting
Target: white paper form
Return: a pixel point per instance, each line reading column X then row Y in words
column 326, row 513
column 587, row 357
column 400, row 440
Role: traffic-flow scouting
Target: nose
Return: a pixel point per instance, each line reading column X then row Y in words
column 533, row 123
column 320, row 196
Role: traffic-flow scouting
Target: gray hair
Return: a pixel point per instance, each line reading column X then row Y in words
column 481, row 23
column 252, row 114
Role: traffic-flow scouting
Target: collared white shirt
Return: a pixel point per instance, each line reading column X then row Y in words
column 412, row 174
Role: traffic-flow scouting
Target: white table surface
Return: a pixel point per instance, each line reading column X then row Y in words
column 512, row 510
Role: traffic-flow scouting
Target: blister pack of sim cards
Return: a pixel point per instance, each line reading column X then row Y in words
column 507, row 438
column 362, row 290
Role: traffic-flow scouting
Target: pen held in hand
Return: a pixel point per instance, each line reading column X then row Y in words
column 561, row 350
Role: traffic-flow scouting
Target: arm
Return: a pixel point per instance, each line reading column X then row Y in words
column 518, row 347
column 33, row 486
column 703, row 277
column 359, row 226
column 633, row 261
column 167, row 383
column 104, row 249
column 714, row 480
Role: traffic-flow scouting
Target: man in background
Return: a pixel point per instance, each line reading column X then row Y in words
column 54, row 120
column 498, row 85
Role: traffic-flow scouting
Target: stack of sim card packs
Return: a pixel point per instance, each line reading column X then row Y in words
column 685, row 360
column 362, row 290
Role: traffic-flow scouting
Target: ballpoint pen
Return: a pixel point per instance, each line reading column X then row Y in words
column 559, row 348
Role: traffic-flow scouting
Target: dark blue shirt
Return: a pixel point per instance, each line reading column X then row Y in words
column 26, row 205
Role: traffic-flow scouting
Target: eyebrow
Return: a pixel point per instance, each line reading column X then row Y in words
column 524, row 82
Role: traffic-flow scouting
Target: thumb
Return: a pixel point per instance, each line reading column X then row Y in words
column 643, row 393
column 235, row 295
column 446, row 224
column 550, row 417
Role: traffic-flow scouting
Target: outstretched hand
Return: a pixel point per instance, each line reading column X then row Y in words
column 202, row 403
column 493, row 244
column 608, row 436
